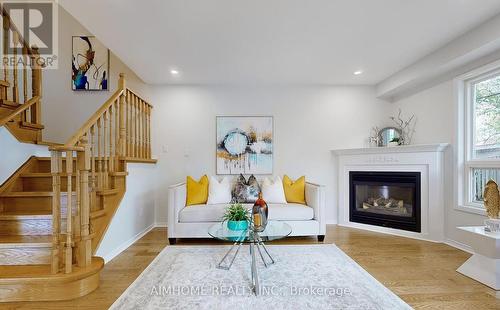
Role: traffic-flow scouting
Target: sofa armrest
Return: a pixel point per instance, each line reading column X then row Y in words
column 176, row 201
column 315, row 198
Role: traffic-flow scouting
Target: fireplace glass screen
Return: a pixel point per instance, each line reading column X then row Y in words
column 385, row 199
column 389, row 199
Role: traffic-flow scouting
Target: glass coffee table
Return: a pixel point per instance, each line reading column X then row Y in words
column 274, row 230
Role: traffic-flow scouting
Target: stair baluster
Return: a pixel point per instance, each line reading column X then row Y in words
column 68, row 262
column 55, row 166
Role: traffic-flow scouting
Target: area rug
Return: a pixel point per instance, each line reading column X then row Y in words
column 304, row 277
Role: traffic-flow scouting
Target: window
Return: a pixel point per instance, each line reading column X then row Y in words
column 481, row 136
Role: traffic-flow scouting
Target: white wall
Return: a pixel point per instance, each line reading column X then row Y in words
column 435, row 109
column 136, row 214
column 64, row 110
column 14, row 153
column 309, row 122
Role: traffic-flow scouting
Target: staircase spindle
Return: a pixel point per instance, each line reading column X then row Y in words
column 15, row 87
column 36, row 85
column 99, row 155
column 69, row 214
column 134, row 125
column 129, row 125
column 149, row 131
column 77, row 213
column 6, row 27
column 55, row 168
column 118, row 141
column 143, row 129
column 111, row 140
column 25, row 74
column 105, row 149
column 93, row 176
column 139, row 126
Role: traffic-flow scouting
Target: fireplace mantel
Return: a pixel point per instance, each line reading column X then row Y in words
column 427, row 159
column 438, row 147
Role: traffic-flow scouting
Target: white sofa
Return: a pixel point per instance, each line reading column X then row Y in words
column 194, row 221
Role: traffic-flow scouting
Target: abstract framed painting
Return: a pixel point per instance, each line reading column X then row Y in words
column 244, row 144
column 90, row 64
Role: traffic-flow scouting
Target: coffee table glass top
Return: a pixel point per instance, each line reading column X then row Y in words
column 274, row 230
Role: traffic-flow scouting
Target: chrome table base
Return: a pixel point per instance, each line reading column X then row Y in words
column 255, row 243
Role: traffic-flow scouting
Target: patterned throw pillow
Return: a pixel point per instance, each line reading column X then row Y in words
column 246, row 191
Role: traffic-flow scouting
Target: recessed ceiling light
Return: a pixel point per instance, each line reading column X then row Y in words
column 174, row 72
column 358, row 72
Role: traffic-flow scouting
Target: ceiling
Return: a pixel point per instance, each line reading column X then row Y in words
column 276, row 41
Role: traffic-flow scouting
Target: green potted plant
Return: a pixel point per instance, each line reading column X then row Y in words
column 237, row 217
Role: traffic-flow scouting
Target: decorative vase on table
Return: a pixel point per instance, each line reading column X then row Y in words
column 237, row 225
column 259, row 214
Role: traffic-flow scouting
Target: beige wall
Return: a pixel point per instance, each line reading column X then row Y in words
column 65, row 110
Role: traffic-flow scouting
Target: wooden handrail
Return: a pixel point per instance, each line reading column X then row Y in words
column 19, row 110
column 135, row 94
column 93, row 119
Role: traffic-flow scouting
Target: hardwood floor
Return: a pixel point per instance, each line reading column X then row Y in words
column 421, row 273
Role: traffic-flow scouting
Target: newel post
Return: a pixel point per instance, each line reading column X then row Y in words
column 123, row 130
column 83, row 165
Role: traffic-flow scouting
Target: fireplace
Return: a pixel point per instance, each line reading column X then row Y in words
column 388, row 199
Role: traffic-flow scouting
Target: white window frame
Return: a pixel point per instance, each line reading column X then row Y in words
column 464, row 96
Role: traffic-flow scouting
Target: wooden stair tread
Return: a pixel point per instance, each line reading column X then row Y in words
column 98, row 213
column 107, row 192
column 9, row 104
column 12, row 274
column 32, row 126
column 26, row 194
column 139, row 160
column 43, row 174
column 11, row 241
column 118, row 174
column 31, row 194
column 25, row 215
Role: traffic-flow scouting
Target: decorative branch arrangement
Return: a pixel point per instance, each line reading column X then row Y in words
column 407, row 127
column 374, row 139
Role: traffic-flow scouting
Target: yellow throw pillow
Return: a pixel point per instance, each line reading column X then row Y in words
column 196, row 191
column 295, row 192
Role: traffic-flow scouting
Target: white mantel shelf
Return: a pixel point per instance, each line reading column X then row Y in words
column 438, row 147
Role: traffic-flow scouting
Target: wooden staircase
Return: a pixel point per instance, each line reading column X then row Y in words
column 21, row 115
column 54, row 211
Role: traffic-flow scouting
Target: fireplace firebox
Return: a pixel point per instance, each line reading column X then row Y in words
column 388, row 199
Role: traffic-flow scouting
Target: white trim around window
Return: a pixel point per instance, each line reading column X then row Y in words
column 464, row 161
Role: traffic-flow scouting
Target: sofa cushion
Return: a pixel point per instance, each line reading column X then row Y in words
column 295, row 190
column 197, row 191
column 246, row 191
column 214, row 213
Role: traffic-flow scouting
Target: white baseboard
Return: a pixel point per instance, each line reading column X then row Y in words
column 122, row 247
column 161, row 224
column 459, row 245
